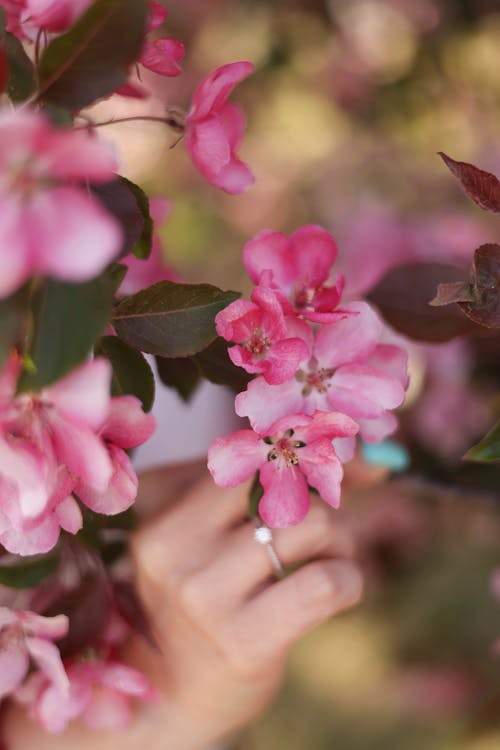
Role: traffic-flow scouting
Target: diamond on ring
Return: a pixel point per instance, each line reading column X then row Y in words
column 263, row 535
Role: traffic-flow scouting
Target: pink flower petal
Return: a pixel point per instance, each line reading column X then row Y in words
column 329, row 425
column 69, row 515
column 234, row 178
column 83, row 395
column 48, row 659
column 121, row 490
column 76, row 155
column 269, row 251
column 162, row 56
column 107, row 710
column 35, row 541
column 313, row 250
column 236, row 458
column 273, row 321
column 283, row 359
column 285, row 501
column 209, row 147
column 25, row 471
column 8, row 379
column 213, row 91
column 15, row 259
column 156, row 15
column 238, row 320
column 125, row 679
column 323, row 470
column 391, row 360
column 44, row 627
column 375, row 430
column 81, row 451
column 71, row 236
column 233, row 121
column 350, row 339
column 363, row 392
column 55, row 15
column 14, row 665
column 127, row 425
column 264, row 404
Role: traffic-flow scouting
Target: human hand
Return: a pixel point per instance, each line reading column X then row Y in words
column 223, row 623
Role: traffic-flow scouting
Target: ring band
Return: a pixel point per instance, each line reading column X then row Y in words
column 263, row 536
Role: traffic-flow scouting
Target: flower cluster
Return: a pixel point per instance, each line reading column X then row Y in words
column 68, row 440
column 85, row 293
column 323, row 375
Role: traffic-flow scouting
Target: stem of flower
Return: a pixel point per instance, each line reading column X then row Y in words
column 113, row 121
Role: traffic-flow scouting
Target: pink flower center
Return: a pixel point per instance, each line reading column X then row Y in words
column 284, row 449
column 303, row 296
column 11, row 637
column 258, row 343
column 23, row 175
column 317, row 378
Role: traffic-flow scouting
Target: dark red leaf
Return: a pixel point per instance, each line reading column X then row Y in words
column 485, row 281
column 403, row 299
column 4, row 70
column 482, row 187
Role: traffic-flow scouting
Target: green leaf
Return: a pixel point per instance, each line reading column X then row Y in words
column 255, row 496
column 171, row 320
column 68, row 319
column 21, row 83
column 131, row 372
column 215, row 366
column 12, row 316
column 488, row 449
column 28, row 573
column 122, row 202
column 143, row 245
column 117, row 272
column 180, row 373
column 92, row 59
column 3, row 21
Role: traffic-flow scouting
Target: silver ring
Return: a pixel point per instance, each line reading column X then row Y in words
column 264, row 536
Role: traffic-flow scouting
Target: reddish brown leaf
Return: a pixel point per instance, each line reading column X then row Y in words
column 4, row 70
column 482, row 187
column 403, row 299
column 485, row 280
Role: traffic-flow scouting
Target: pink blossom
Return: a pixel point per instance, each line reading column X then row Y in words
column 13, row 10
column 100, row 692
column 292, row 452
column 126, row 427
column 144, row 272
column 299, row 268
column 54, row 15
column 49, row 224
column 214, row 129
column 262, row 335
column 23, row 636
column 70, row 437
column 345, row 369
column 161, row 55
